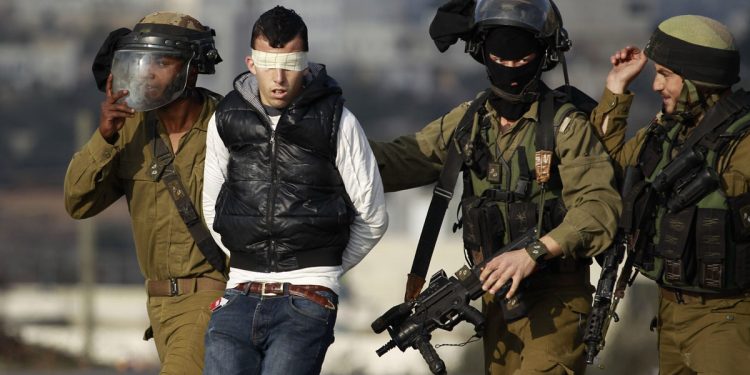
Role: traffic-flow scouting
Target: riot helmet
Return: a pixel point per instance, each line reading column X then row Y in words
column 512, row 30
column 541, row 18
column 153, row 62
column 526, row 31
column 696, row 48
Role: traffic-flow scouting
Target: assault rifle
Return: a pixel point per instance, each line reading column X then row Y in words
column 444, row 304
column 632, row 233
column 606, row 298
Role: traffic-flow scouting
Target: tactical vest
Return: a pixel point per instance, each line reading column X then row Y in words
column 700, row 238
column 283, row 205
column 502, row 197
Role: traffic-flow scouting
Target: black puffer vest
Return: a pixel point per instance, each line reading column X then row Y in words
column 283, row 205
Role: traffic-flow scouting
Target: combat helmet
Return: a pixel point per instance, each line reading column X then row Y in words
column 697, row 48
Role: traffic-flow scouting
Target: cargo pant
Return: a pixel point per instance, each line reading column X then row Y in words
column 547, row 341
column 704, row 336
column 178, row 325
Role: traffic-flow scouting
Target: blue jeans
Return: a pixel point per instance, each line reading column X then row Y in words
column 284, row 335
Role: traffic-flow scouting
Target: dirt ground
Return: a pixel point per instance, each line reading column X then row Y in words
column 16, row 355
column 17, row 358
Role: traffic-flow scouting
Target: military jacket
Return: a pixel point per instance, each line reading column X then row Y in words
column 100, row 173
column 584, row 170
column 709, row 249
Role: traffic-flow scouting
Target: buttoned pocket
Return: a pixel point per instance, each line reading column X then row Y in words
column 137, row 182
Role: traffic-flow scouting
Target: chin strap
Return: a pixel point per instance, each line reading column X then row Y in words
column 565, row 74
column 527, row 95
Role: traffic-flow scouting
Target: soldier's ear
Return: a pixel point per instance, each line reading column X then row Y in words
column 250, row 64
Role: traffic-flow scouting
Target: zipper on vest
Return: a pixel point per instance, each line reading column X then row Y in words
column 273, row 255
column 270, row 251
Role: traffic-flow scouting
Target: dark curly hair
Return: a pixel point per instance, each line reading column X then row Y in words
column 279, row 26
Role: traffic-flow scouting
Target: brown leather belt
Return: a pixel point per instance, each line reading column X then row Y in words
column 178, row 287
column 688, row 297
column 282, row 289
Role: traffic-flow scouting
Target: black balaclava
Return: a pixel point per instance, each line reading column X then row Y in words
column 514, row 89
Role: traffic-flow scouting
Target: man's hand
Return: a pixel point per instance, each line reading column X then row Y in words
column 113, row 114
column 627, row 63
column 515, row 265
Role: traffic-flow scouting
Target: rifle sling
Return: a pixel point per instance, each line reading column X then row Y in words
column 725, row 109
column 163, row 169
column 443, row 193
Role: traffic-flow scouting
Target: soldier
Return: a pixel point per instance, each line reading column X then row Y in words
column 500, row 137
column 689, row 170
column 152, row 133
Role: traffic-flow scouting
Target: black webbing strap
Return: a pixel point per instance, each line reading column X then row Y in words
column 163, row 169
column 443, row 192
column 736, row 103
column 545, row 132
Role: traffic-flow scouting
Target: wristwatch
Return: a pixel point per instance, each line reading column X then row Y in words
column 537, row 250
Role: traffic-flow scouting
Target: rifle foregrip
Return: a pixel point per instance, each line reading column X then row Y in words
column 437, row 366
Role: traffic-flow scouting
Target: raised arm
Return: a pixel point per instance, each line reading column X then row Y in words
column 91, row 184
column 609, row 118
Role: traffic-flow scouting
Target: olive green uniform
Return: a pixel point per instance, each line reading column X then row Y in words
column 698, row 332
column 100, row 173
column 548, row 339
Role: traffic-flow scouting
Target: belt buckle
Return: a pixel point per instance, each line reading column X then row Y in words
column 173, row 288
column 263, row 290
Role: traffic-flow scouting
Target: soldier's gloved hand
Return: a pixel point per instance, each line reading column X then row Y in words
column 113, row 114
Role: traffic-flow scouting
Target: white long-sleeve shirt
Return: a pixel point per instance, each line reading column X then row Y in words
column 359, row 172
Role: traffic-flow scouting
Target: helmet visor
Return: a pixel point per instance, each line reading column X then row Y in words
column 153, row 78
column 536, row 16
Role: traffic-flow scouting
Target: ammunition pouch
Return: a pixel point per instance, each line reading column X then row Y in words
column 676, row 246
column 524, row 215
column 711, row 244
column 739, row 208
column 694, row 248
column 483, row 228
column 521, row 217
